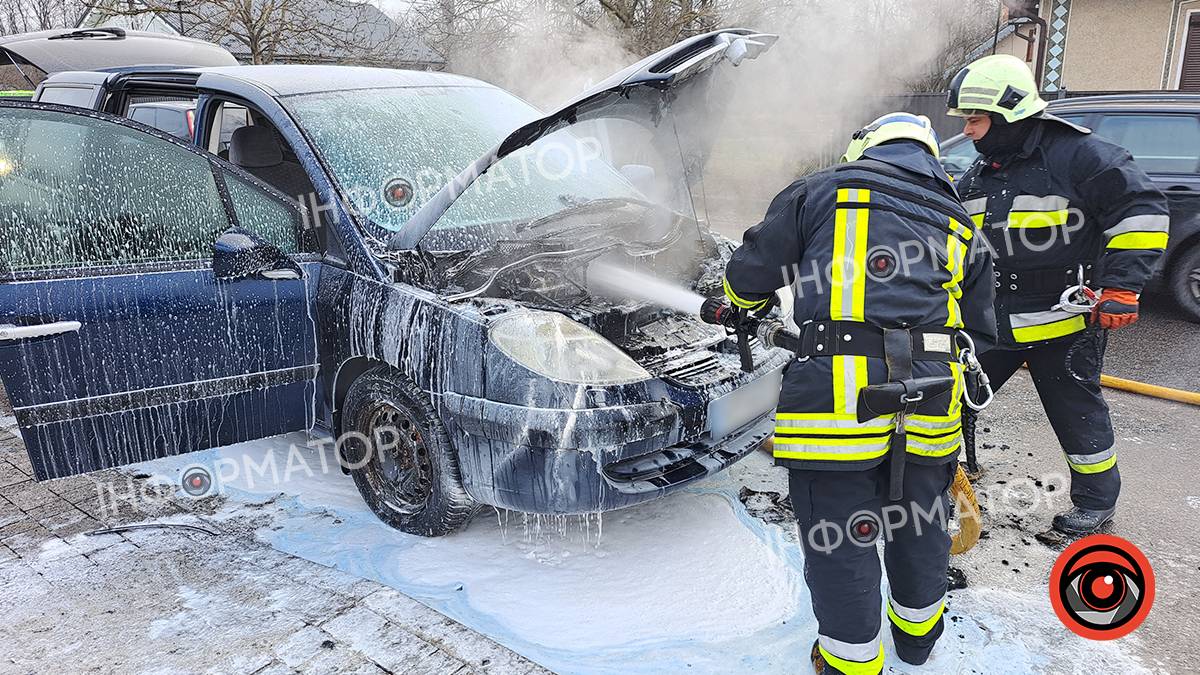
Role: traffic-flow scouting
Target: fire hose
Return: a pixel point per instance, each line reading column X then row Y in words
column 745, row 325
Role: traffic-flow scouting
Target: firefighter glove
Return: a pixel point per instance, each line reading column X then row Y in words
column 1116, row 309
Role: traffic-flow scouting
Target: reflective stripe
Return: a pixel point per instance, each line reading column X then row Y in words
column 962, row 230
column 1132, row 240
column 849, row 375
column 977, row 219
column 981, row 100
column 986, row 91
column 1144, row 223
column 935, row 424
column 1035, row 219
column 830, row 423
column 1036, row 326
column 955, row 253
column 956, row 370
column 976, row 206
column 916, row 622
column 925, row 448
column 853, row 658
column 1047, row 203
column 1094, row 463
column 805, row 449
column 739, row 302
column 849, row 265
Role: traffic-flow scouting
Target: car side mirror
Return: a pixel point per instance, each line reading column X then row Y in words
column 240, row 254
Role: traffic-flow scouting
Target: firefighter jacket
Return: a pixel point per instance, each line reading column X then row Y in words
column 881, row 241
column 1065, row 199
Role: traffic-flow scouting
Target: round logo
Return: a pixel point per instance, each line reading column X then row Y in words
column 398, row 193
column 881, row 264
column 196, row 481
column 864, row 527
column 1102, row 587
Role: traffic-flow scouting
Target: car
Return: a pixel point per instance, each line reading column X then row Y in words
column 419, row 264
column 1162, row 132
column 29, row 58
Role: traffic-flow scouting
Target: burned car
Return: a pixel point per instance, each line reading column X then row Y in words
column 344, row 272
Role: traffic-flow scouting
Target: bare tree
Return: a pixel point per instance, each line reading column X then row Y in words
column 963, row 31
column 24, row 16
column 268, row 30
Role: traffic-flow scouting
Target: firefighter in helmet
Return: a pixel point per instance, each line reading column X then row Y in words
column 879, row 257
column 1053, row 199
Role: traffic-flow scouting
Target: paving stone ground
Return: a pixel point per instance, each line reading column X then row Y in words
column 173, row 600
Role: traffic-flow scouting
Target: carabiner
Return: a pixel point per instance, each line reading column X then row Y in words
column 970, row 364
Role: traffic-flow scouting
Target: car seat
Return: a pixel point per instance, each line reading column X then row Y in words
column 257, row 150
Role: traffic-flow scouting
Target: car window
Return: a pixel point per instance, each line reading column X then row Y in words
column 174, row 121
column 233, row 117
column 1159, row 143
column 80, row 97
column 958, row 157
column 269, row 218
column 143, row 114
column 82, row 191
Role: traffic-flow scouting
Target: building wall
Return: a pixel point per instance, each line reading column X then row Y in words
column 1116, row 44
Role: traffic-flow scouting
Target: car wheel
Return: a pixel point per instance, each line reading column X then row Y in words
column 401, row 457
column 1185, row 281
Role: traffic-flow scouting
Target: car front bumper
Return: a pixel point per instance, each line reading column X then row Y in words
column 550, row 461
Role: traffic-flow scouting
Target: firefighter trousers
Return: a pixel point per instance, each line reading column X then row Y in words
column 842, row 569
column 1066, row 373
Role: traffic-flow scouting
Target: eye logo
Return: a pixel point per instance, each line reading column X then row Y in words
column 1102, row 587
column 196, row 481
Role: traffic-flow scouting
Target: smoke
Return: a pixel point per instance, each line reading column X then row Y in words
column 792, row 109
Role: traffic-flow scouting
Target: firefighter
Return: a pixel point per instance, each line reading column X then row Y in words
column 878, row 254
column 1052, row 198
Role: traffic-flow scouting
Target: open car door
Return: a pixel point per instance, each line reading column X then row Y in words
column 119, row 342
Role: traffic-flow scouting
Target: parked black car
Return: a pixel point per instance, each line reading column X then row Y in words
column 1162, row 131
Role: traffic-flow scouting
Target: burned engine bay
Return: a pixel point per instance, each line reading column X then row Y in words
column 558, row 271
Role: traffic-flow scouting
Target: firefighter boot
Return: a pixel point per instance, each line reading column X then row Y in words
column 818, row 661
column 1077, row 521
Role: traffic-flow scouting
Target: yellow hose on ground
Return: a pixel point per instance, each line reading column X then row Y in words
column 1152, row 390
column 1177, row 395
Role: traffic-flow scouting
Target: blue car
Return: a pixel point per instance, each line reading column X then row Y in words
column 455, row 286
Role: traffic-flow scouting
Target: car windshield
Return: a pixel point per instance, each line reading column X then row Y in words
column 391, row 150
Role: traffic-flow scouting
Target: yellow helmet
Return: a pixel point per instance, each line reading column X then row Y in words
column 892, row 127
column 1001, row 84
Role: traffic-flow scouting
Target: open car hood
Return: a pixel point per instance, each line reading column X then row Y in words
column 60, row 50
column 639, row 93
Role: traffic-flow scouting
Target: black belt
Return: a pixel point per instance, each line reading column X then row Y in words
column 1049, row 280
column 853, row 338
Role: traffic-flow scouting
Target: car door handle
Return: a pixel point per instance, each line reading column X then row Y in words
column 9, row 332
column 281, row 274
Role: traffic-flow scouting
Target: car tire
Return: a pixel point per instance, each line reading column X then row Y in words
column 1185, row 281
column 408, row 471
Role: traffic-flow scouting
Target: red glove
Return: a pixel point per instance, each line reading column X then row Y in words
column 1116, row 308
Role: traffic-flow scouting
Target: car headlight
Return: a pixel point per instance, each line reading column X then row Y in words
column 556, row 347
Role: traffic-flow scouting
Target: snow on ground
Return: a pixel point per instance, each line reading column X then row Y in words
column 691, row 581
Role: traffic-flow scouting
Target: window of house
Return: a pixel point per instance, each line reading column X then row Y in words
column 78, row 191
column 1159, row 143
